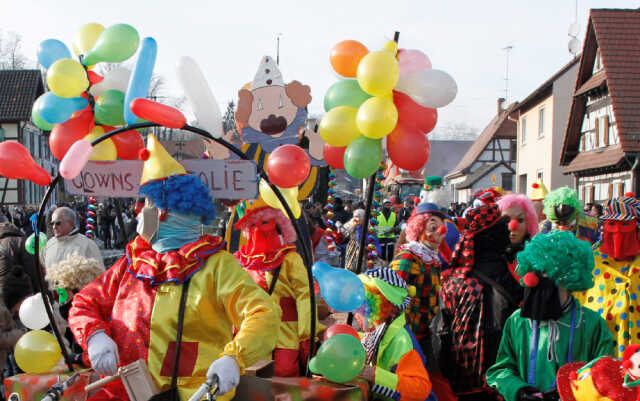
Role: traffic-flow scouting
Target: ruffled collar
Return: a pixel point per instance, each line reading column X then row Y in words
column 263, row 261
column 422, row 251
column 172, row 267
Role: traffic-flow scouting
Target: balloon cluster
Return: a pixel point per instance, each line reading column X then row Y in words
column 394, row 96
column 91, row 218
column 331, row 224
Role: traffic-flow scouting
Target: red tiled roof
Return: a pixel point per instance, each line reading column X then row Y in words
column 19, row 89
column 590, row 160
column 593, row 82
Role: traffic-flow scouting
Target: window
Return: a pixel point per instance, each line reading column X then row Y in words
column 597, row 65
column 541, row 123
column 507, row 181
column 540, row 175
column 524, row 130
column 523, row 183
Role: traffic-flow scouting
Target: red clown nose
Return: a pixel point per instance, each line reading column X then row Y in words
column 531, row 279
column 442, row 230
column 513, row 225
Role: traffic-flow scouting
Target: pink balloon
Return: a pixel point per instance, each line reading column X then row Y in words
column 76, row 158
column 412, row 61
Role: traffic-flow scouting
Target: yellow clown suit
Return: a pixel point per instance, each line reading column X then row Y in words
column 270, row 257
column 131, row 311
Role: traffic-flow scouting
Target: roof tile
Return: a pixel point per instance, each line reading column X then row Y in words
column 19, row 89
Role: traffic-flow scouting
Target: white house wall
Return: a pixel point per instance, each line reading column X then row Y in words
column 535, row 154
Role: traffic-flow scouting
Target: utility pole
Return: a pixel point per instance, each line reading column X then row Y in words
column 507, row 49
column 278, row 48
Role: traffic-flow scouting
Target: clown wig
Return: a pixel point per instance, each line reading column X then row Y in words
column 376, row 307
column 524, row 203
column 74, row 272
column 416, row 226
column 561, row 196
column 265, row 214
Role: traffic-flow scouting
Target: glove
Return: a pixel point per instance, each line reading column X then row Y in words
column 103, row 354
column 228, row 372
column 528, row 394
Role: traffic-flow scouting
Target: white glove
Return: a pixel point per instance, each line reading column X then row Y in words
column 228, row 373
column 103, row 354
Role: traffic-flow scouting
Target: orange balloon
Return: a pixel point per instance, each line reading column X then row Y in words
column 345, row 57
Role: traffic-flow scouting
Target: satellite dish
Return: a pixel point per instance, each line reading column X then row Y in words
column 574, row 29
column 574, row 46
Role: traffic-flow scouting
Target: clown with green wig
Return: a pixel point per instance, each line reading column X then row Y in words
column 551, row 328
column 563, row 211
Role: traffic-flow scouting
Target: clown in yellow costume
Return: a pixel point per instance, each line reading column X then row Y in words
column 617, row 273
column 131, row 311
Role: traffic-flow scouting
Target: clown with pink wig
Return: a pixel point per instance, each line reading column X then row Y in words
column 523, row 224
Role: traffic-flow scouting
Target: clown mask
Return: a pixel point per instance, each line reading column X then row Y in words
column 434, row 233
column 620, row 239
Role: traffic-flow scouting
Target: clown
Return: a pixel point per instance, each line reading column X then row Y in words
column 599, row 380
column 617, row 272
column 395, row 363
column 434, row 192
column 131, row 311
column 563, row 211
column 551, row 328
column 538, row 193
column 270, row 257
column 523, row 224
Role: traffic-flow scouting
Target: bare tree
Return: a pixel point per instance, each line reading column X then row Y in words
column 11, row 56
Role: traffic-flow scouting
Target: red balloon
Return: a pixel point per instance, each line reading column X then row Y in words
column 288, row 166
column 408, row 148
column 128, row 143
column 16, row 162
column 340, row 329
column 412, row 114
column 158, row 113
column 334, row 155
column 66, row 134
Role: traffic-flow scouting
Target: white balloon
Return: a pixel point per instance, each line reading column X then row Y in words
column 574, row 29
column 429, row 88
column 32, row 313
column 196, row 89
column 118, row 78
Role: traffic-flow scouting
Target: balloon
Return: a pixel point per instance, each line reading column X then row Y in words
column 50, row 51
column 408, row 148
column 362, row 157
column 334, row 156
column 105, row 150
column 86, row 37
column 37, row 118
column 345, row 57
column 109, row 108
column 339, row 359
column 16, row 162
column 158, row 113
column 340, row 288
column 94, row 78
column 411, row 114
column 37, row 352
column 141, row 77
column 340, row 329
column 411, row 61
column 75, row 159
column 64, row 135
column 429, row 88
column 128, row 143
column 67, row 78
column 377, row 117
column 378, row 73
column 32, row 312
column 346, row 92
column 118, row 78
column 338, row 127
column 288, row 166
column 115, row 44
column 290, row 195
column 30, row 244
column 198, row 92
column 56, row 110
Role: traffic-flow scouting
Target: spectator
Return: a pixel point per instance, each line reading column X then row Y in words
column 13, row 255
column 350, row 234
column 340, row 214
column 405, row 212
column 388, row 227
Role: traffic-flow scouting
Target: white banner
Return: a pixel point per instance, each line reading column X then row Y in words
column 227, row 179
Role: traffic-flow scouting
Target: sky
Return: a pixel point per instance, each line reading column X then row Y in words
column 228, row 39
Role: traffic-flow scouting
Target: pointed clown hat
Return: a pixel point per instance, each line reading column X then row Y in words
column 268, row 74
column 168, row 185
column 539, row 191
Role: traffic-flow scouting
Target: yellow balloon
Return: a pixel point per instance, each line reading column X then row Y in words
column 67, row 78
column 290, row 195
column 37, row 352
column 338, row 127
column 86, row 37
column 105, row 150
column 377, row 117
column 378, row 72
column 391, row 46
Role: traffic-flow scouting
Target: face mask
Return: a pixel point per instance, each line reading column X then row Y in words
column 263, row 238
column 148, row 221
column 619, row 239
column 176, row 231
column 542, row 301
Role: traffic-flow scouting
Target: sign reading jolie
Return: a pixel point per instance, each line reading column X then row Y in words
column 227, row 179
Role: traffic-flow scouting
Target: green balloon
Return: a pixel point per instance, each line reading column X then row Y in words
column 30, row 244
column 362, row 157
column 339, row 359
column 346, row 92
column 109, row 109
column 116, row 43
column 37, row 119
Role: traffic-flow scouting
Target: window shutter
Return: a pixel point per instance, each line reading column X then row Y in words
column 620, row 189
column 610, row 191
column 583, row 193
column 596, row 142
column 592, row 192
column 605, row 131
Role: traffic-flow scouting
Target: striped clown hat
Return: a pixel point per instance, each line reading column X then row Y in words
column 622, row 209
column 392, row 286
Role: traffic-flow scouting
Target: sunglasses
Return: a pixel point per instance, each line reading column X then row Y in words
column 55, row 223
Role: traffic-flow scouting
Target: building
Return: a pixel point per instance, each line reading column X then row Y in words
column 19, row 89
column 601, row 145
column 490, row 161
column 542, row 119
column 445, row 155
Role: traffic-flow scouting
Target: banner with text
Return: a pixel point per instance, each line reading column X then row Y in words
column 227, row 179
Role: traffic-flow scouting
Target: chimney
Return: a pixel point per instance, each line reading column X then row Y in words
column 500, row 102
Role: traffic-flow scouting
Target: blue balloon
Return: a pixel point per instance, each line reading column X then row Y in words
column 56, row 110
column 50, row 51
column 340, row 288
column 141, row 77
